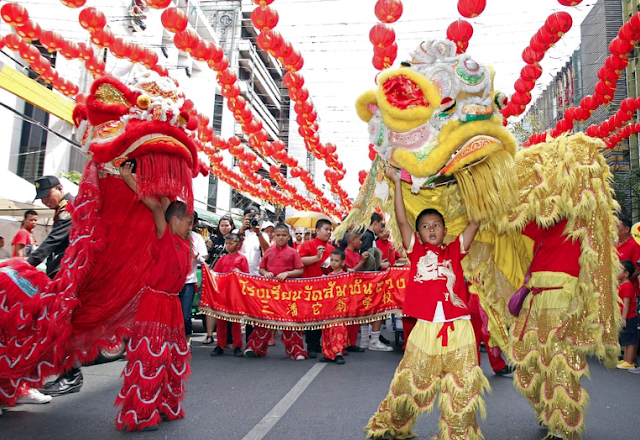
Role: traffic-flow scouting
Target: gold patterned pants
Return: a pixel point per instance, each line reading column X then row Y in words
column 426, row 368
column 548, row 365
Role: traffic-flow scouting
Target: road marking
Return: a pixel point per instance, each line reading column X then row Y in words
column 269, row 421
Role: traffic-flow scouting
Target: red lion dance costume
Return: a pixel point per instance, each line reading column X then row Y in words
column 47, row 325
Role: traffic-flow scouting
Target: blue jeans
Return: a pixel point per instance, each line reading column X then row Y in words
column 186, row 299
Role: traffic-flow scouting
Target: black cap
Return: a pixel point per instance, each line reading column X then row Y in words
column 44, row 185
column 248, row 210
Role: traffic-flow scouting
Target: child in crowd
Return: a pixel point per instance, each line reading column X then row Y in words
column 354, row 260
column 334, row 339
column 279, row 262
column 157, row 354
column 441, row 350
column 228, row 262
column 629, row 334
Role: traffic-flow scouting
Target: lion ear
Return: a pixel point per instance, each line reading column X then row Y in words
column 365, row 104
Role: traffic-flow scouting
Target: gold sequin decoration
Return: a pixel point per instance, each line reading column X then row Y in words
column 109, row 94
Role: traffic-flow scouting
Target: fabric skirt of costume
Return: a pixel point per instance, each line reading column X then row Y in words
column 334, row 341
column 157, row 364
column 439, row 357
column 544, row 349
column 292, row 340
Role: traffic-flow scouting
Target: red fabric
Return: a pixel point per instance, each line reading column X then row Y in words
column 334, row 341
column 352, row 332
column 403, row 93
column 557, row 253
column 479, row 322
column 408, row 323
column 422, row 296
column 292, row 340
column 24, row 238
column 310, row 249
column 626, row 290
column 351, row 258
column 278, row 260
column 236, row 333
column 630, row 250
column 228, row 263
column 157, row 364
column 172, row 263
column 388, row 251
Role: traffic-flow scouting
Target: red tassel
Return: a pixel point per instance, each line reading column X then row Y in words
column 161, row 175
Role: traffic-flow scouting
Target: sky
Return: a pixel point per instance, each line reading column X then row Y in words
column 333, row 37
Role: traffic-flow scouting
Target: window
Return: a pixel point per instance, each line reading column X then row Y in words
column 217, row 114
column 212, row 197
column 33, row 144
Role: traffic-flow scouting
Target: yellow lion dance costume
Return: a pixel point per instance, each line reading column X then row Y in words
column 548, row 210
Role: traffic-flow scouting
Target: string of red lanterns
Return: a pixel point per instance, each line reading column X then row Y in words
column 382, row 36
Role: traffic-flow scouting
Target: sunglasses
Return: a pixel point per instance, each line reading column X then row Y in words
column 298, row 233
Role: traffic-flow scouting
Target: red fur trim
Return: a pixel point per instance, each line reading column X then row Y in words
column 164, row 174
column 79, row 114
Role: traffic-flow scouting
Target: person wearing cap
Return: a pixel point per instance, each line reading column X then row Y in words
column 267, row 228
column 53, row 196
column 254, row 242
column 50, row 191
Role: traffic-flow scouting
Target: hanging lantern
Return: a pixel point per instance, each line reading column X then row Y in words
column 264, row 18
column 73, row 3
column 221, row 65
column 158, row 4
column 382, row 35
column 203, row 51
column 531, row 72
column 29, row 31
column 86, row 51
column 70, row 50
column 149, row 59
column 92, row 19
column 270, row 40
column 523, row 85
column 559, row 23
column 174, row 20
column 95, row 66
column 471, row 8
column 14, row 14
column 294, row 61
column 569, row 2
column 40, row 64
column 388, row 11
column 293, row 80
column 531, row 56
column 390, row 51
column 620, row 47
column 102, row 37
column 186, row 40
column 227, row 77
column 285, row 50
column 49, row 75
column 231, row 92
column 460, row 32
column 120, row 48
column 51, row 41
column 29, row 53
column 14, row 42
column 616, row 63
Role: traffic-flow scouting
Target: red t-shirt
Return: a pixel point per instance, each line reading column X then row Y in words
column 24, row 238
column 630, row 250
column 352, row 258
column 626, row 290
column 173, row 263
column 228, row 263
column 434, row 270
column 558, row 253
column 310, row 249
column 385, row 247
column 277, row 260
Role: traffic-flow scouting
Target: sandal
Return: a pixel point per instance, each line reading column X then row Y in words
column 207, row 340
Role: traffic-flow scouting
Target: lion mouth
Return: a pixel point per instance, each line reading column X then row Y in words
column 472, row 152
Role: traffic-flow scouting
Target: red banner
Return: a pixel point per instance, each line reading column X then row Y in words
column 303, row 303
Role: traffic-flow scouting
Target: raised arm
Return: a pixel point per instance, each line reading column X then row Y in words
column 154, row 205
column 469, row 234
column 406, row 232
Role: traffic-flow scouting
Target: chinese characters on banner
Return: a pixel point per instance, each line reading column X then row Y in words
column 303, row 303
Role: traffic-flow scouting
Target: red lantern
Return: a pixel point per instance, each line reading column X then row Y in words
column 186, row 40
column 120, row 48
column 86, row 51
column 270, row 40
column 531, row 72
column 602, row 90
column 221, row 65
column 615, row 62
column 29, row 53
column 40, row 64
column 92, row 19
column 388, row 11
column 51, row 41
column 608, row 76
column 471, row 8
column 530, row 56
column 362, row 175
column 294, row 61
column 160, row 70
column 150, row 58
column 158, row 4
column 70, row 50
column 264, row 18
column 203, row 51
column 284, row 51
column 14, row 42
column 14, row 14
column 73, row 3
column 174, row 20
column 382, row 35
column 523, row 85
column 569, row 2
column 102, row 37
column 293, row 80
column 620, row 47
column 559, row 23
column 460, row 31
column 29, row 31
column 390, row 51
column 95, row 66
column 227, row 77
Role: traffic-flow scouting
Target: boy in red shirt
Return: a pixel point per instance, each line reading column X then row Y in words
column 279, row 262
column 315, row 257
column 24, row 241
column 629, row 335
column 231, row 261
column 353, row 259
column 441, row 350
column 334, row 339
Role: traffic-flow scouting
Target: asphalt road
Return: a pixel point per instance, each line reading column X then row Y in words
column 274, row 398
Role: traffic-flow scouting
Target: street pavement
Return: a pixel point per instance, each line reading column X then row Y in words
column 275, row 398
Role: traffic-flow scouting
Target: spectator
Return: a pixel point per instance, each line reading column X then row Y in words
column 230, row 261
column 629, row 334
column 50, row 191
column 4, row 254
column 268, row 228
column 280, row 262
column 628, row 248
column 24, row 242
column 254, row 242
column 387, row 248
column 198, row 254
column 354, row 261
column 299, row 239
column 315, row 257
column 334, row 339
column 217, row 250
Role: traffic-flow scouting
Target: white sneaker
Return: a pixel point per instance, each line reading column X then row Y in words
column 634, row 370
column 379, row 346
column 300, row 358
column 34, row 396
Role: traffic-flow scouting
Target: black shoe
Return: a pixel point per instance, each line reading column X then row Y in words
column 356, row 349
column 67, row 384
column 237, row 352
column 312, row 353
column 218, row 351
column 384, row 340
column 325, row 359
column 339, row 360
column 505, row 371
column 150, row 428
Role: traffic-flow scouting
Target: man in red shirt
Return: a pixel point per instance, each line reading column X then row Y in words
column 315, row 257
column 298, row 239
column 279, row 262
column 628, row 248
column 24, row 241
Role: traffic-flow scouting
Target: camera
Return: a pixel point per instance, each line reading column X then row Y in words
column 254, row 222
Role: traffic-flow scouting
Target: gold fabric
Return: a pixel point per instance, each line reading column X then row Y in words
column 426, row 368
